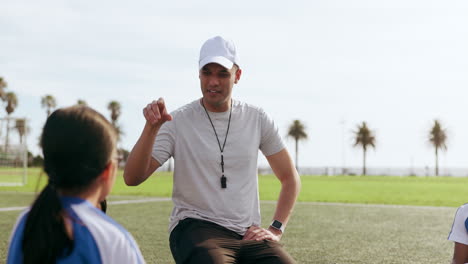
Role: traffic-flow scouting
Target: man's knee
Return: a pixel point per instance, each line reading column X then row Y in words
column 201, row 254
column 265, row 252
column 196, row 241
column 279, row 254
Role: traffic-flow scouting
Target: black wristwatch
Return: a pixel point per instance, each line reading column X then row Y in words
column 277, row 225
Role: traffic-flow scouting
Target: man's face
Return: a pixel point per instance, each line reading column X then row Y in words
column 216, row 84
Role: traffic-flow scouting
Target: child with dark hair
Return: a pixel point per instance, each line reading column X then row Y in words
column 63, row 224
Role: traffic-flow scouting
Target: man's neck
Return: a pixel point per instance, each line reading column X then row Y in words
column 223, row 107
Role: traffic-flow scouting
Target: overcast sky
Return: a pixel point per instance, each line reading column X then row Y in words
column 332, row 64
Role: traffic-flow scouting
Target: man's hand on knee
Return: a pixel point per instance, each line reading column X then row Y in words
column 258, row 233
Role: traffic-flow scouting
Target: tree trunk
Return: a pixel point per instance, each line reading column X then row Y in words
column 437, row 161
column 297, row 151
column 7, row 132
column 364, row 162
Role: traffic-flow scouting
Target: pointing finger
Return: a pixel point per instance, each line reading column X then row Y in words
column 155, row 110
column 163, row 110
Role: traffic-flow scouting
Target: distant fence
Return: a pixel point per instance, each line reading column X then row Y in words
column 383, row 171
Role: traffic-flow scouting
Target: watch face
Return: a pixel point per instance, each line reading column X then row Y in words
column 276, row 224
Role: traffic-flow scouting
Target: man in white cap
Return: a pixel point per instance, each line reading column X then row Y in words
column 214, row 141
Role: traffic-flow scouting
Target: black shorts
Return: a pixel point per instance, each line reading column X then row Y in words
column 198, row 241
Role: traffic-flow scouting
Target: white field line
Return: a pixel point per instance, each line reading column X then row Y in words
column 164, row 199
column 372, row 205
column 18, row 208
column 146, row 200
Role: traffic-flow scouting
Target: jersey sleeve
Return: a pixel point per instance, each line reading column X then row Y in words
column 163, row 147
column 459, row 231
column 115, row 244
column 124, row 250
column 271, row 141
column 15, row 252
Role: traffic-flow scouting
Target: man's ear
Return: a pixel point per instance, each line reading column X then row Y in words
column 238, row 75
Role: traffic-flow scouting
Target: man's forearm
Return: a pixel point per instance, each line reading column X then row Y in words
column 284, row 169
column 287, row 198
column 138, row 162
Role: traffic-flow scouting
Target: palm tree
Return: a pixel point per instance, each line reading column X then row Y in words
column 297, row 131
column 115, row 109
column 119, row 131
column 3, row 85
column 364, row 137
column 12, row 102
column 81, row 102
column 48, row 102
column 438, row 137
column 20, row 126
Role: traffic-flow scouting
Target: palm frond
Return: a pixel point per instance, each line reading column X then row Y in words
column 297, row 130
column 438, row 136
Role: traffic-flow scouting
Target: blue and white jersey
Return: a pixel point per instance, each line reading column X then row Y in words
column 97, row 238
column 459, row 232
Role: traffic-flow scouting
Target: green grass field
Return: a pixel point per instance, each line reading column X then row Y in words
column 350, row 226
column 12, row 175
column 431, row 191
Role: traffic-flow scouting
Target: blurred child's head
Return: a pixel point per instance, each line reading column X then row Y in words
column 79, row 144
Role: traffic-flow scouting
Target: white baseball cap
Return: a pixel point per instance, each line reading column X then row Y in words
column 218, row 50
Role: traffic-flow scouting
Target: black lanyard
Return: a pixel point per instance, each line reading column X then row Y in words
column 223, row 178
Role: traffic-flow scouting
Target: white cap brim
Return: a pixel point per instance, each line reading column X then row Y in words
column 218, row 60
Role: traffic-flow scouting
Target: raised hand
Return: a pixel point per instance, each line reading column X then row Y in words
column 156, row 114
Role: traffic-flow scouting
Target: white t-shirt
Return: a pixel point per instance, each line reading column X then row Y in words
column 197, row 191
column 459, row 231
